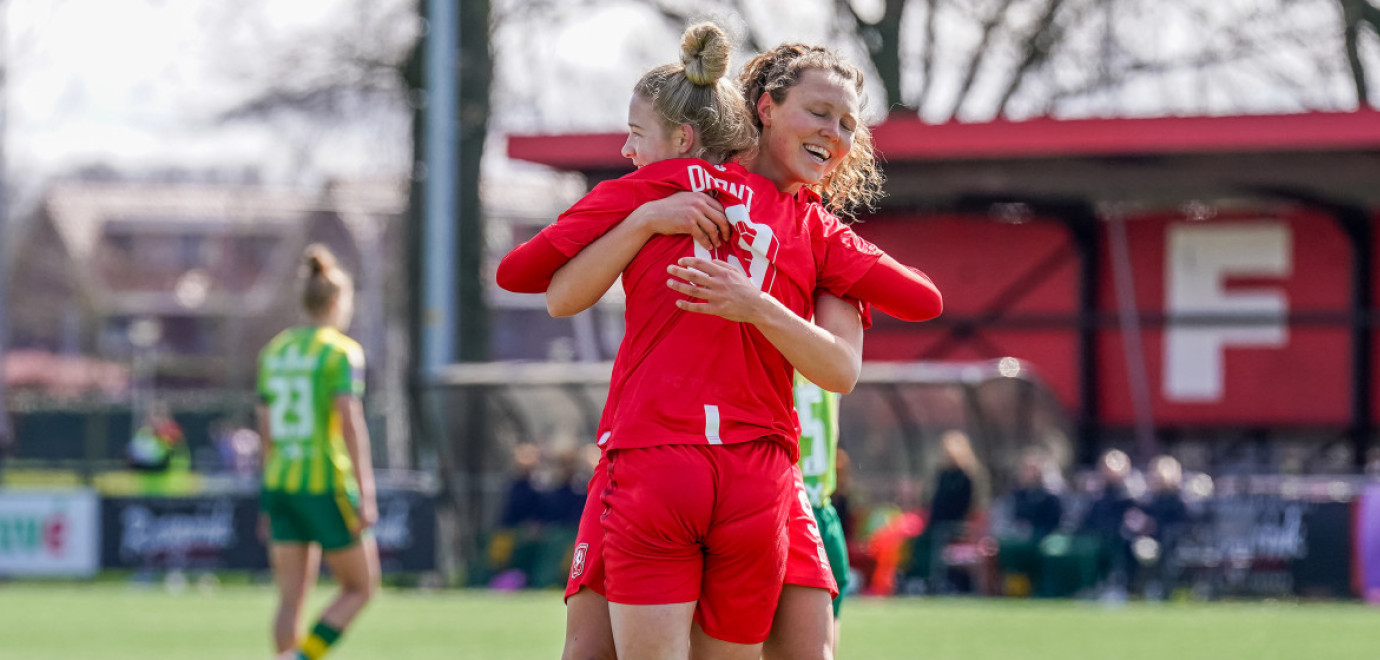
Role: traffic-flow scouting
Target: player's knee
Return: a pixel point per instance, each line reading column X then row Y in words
column 363, row 587
column 369, row 587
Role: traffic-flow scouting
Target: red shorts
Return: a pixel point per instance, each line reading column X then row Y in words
column 807, row 564
column 700, row 523
column 587, row 561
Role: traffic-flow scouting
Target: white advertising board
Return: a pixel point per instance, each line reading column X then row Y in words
column 49, row 533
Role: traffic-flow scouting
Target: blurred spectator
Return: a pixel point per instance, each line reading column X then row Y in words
column 1105, row 523
column 1164, row 520
column 237, row 448
column 515, row 543
column 220, row 431
column 523, row 505
column 155, row 441
column 1031, row 512
column 1036, row 507
column 562, row 505
column 159, row 450
column 531, row 547
column 956, row 490
column 565, row 501
column 6, row 435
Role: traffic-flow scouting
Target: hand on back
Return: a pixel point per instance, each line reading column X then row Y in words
column 693, row 213
column 723, row 289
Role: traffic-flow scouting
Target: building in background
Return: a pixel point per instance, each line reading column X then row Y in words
column 1203, row 285
column 170, row 290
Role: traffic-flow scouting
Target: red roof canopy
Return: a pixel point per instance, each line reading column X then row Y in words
column 908, row 139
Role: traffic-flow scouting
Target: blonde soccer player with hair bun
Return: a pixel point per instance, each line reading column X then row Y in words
column 318, row 481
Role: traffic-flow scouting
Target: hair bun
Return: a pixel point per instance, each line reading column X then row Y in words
column 319, row 259
column 704, row 50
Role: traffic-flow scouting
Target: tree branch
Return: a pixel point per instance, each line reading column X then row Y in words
column 1354, row 13
column 979, row 55
column 927, row 54
column 1038, row 46
column 680, row 18
column 845, row 7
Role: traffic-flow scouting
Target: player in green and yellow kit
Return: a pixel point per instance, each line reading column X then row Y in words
column 318, row 485
column 818, row 410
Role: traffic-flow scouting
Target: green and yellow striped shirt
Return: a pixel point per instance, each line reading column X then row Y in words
column 818, row 411
column 301, row 372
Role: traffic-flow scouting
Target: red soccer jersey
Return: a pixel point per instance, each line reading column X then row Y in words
column 687, row 378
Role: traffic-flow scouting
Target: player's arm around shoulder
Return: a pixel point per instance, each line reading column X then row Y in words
column 584, row 279
column 830, row 357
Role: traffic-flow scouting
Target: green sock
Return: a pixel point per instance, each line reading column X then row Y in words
column 316, row 644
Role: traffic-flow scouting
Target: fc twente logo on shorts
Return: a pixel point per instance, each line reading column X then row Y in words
column 577, row 562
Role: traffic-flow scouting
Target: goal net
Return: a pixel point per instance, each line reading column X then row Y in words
column 504, row 431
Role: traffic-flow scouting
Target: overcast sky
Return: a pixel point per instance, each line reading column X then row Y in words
column 138, row 85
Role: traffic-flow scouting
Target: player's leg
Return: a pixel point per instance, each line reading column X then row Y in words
column 295, row 561
column 353, row 558
column 803, row 626
column 295, row 567
column 356, row 568
column 588, row 632
column 653, row 632
column 660, row 503
column 745, row 550
column 836, row 545
column 588, row 629
column 706, row 647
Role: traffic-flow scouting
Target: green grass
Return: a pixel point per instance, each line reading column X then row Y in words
column 113, row 621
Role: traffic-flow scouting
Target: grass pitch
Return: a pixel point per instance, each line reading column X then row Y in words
column 115, row 621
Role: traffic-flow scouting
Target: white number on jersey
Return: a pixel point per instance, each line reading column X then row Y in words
column 760, row 247
column 290, row 416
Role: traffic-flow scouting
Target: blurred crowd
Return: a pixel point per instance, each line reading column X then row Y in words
column 1112, row 537
column 545, row 496
column 160, row 452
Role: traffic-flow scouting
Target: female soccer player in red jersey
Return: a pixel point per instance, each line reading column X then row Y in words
column 781, row 256
column 651, row 139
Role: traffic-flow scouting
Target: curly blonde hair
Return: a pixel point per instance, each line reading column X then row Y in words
column 857, row 181
column 695, row 92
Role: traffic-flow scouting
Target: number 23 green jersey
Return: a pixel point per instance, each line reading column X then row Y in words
column 301, row 372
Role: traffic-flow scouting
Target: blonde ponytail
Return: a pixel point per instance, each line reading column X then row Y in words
column 323, row 281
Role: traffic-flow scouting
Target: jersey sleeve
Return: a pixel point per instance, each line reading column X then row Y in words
column 899, row 290
column 864, row 311
column 841, row 256
column 529, row 267
column 853, row 267
column 347, row 373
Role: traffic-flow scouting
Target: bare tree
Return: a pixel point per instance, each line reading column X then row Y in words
column 1356, row 16
column 344, row 73
column 882, row 37
column 980, row 59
